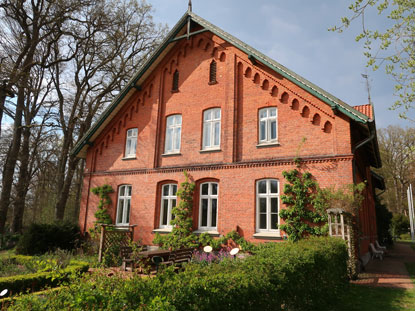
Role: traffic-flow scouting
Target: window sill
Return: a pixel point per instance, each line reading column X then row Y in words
column 210, row 232
column 129, row 158
column 171, row 154
column 267, row 145
column 162, row 230
column 267, row 236
column 213, row 83
column 210, row 150
column 175, row 91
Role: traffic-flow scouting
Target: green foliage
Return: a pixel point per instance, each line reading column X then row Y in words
column 306, row 206
column 43, row 238
column 181, row 235
column 348, row 197
column 383, row 222
column 399, row 224
column 101, row 215
column 233, row 236
column 307, row 275
column 392, row 48
column 49, row 272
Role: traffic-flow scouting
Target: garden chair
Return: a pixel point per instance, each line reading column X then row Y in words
column 125, row 254
column 380, row 247
column 375, row 253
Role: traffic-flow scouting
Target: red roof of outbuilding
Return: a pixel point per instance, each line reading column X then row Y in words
column 365, row 109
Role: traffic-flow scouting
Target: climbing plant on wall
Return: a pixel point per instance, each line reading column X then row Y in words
column 181, row 235
column 306, row 206
column 101, row 215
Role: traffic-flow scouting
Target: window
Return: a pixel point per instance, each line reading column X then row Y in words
column 175, row 86
column 212, row 72
column 168, row 201
column 208, row 206
column 211, row 129
column 124, row 204
column 268, row 125
column 131, row 143
column 267, row 205
column 173, row 133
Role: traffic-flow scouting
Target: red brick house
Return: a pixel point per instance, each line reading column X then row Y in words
column 210, row 104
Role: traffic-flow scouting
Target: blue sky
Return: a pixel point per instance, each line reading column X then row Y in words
column 294, row 33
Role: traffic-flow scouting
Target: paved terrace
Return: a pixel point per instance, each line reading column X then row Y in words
column 391, row 271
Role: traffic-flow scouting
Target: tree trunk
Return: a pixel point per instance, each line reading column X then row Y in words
column 22, row 184
column 11, row 159
column 64, row 192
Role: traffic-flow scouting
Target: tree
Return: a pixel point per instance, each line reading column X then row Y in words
column 398, row 160
column 393, row 48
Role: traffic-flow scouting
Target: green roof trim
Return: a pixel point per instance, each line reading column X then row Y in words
column 253, row 54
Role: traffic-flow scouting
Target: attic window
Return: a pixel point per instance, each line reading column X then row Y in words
column 212, row 72
column 175, row 86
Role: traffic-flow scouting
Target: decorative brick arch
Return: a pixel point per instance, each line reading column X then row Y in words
column 295, row 104
column 305, row 113
column 274, row 91
column 284, row 98
column 316, row 119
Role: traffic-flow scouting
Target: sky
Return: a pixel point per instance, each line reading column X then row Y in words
column 295, row 34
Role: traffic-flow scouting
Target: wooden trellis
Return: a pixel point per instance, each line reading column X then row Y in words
column 340, row 225
column 112, row 235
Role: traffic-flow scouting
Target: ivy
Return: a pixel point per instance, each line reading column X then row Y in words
column 306, row 206
column 101, row 215
column 182, row 234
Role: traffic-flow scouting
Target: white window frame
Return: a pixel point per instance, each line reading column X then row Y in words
column 209, row 197
column 268, row 120
column 176, row 131
column 169, row 198
column 268, row 195
column 209, row 125
column 131, row 143
column 126, row 199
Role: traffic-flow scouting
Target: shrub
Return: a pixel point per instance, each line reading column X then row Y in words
column 399, row 224
column 307, row 275
column 42, row 238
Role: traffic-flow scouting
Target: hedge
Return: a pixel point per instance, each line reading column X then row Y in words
column 36, row 281
column 307, row 275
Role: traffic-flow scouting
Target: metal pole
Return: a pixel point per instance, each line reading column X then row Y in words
column 411, row 211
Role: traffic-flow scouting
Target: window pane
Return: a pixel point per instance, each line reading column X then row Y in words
column 214, row 188
column 165, row 212
column 262, row 186
column 217, row 113
column 273, row 129
column 272, row 112
column 274, row 221
column 127, row 216
column 177, row 138
column 208, row 115
column 262, row 113
column 169, row 139
column 120, row 210
column 174, row 189
column 122, row 189
column 165, row 190
column 129, row 133
column 178, row 119
column 170, row 121
column 262, row 205
column 262, row 221
column 206, row 134
column 204, row 212
column 205, row 188
column 128, row 190
column 274, row 186
column 128, row 147
column 173, row 203
column 274, row 205
column 262, row 130
column 217, row 133
column 214, row 211
column 135, row 132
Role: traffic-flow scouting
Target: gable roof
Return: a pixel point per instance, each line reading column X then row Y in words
column 179, row 31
